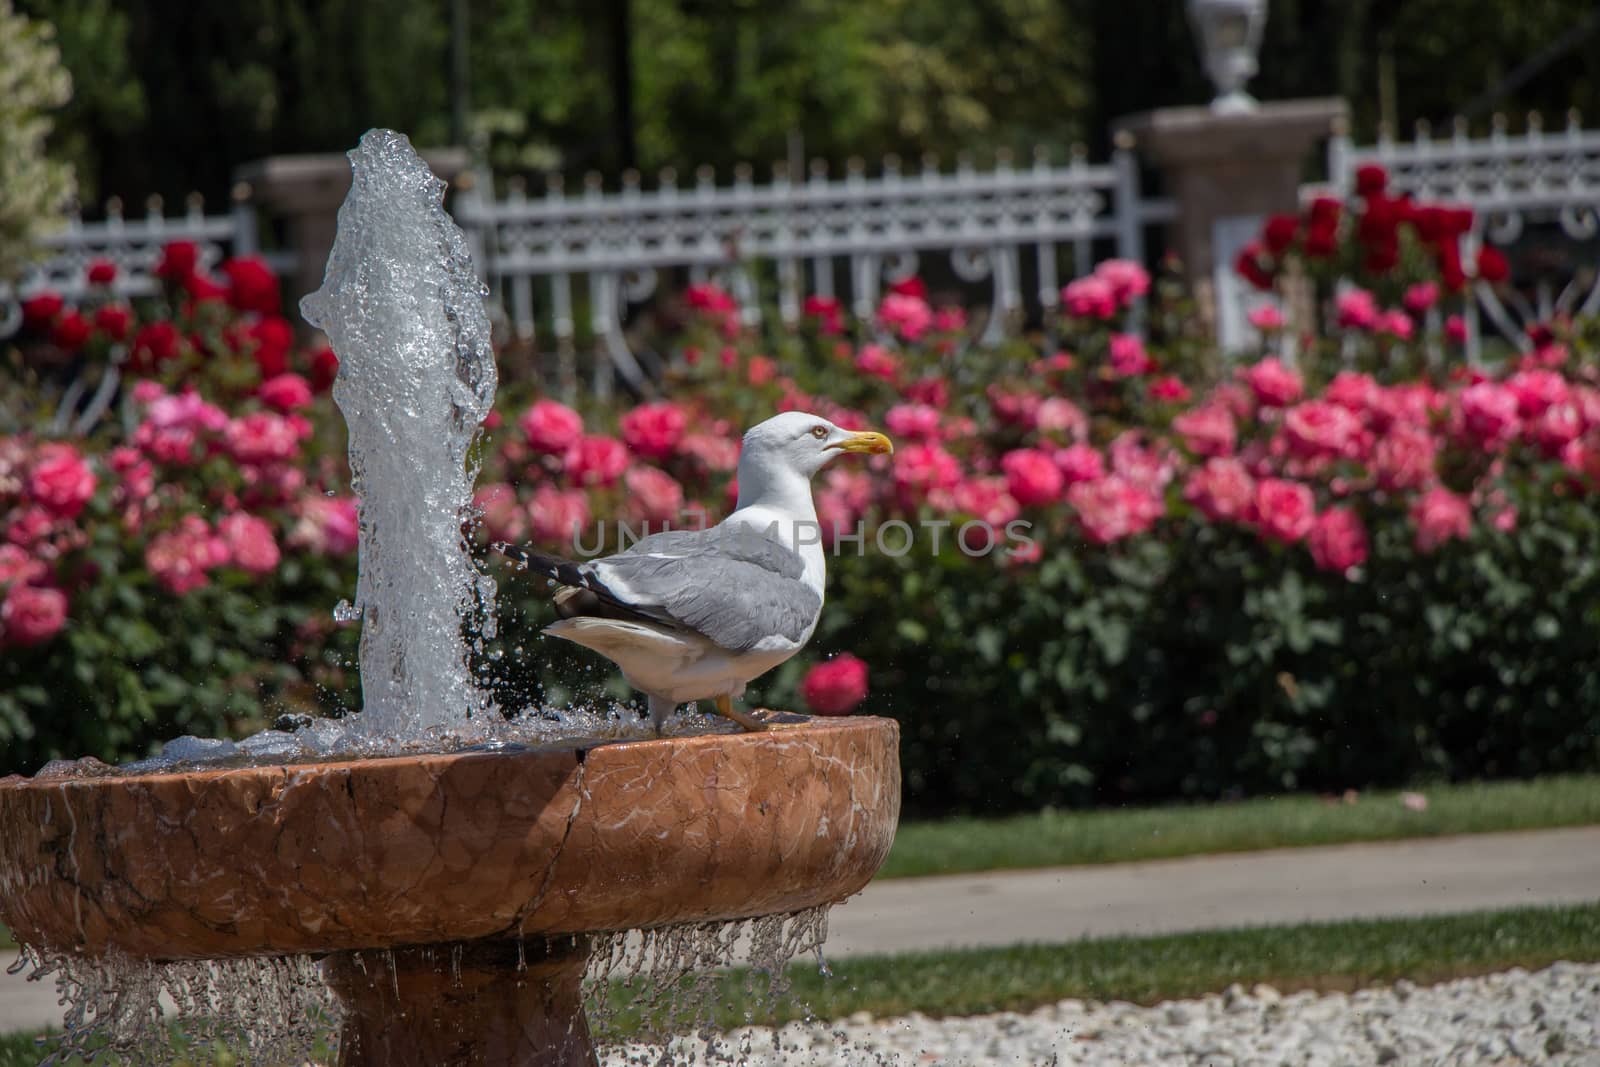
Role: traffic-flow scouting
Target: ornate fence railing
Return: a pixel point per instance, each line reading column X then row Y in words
column 134, row 245
column 1016, row 228
column 1516, row 185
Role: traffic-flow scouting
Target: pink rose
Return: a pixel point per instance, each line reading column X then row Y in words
column 1126, row 279
column 60, row 481
column 1089, row 298
column 711, row 299
column 1455, row 330
column 1537, row 389
column 1555, row 427
column 1032, row 477
column 1357, row 309
column 1128, row 356
column 1016, row 409
column 504, row 518
column 1273, row 384
column 1338, row 540
column 284, row 393
column 1405, row 458
column 949, row 319
column 1058, row 415
column 842, row 500
column 836, row 686
column 1266, row 318
column 1169, row 389
column 550, row 427
column 1489, row 414
column 1080, row 463
column 1439, row 516
column 29, row 526
column 875, row 361
column 1113, row 508
column 921, row 468
column 1397, row 324
column 714, row 452
column 1208, row 430
column 1353, row 391
column 908, row 316
column 1413, row 404
column 654, row 430
column 250, row 543
column 596, row 460
column 1317, row 429
column 1223, row 490
column 1285, row 510
column 558, row 515
column 31, row 615
column 181, row 557
column 326, row 526
column 1149, row 467
column 654, row 496
column 987, row 499
column 913, row 422
column 17, row 567
column 264, row 437
column 1421, row 296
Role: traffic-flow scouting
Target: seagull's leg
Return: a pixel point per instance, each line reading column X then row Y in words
column 727, row 710
column 660, row 709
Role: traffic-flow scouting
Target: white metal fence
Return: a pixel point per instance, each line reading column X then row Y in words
column 1514, row 183
column 779, row 241
column 134, row 245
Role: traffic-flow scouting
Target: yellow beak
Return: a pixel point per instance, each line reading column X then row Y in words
column 869, row 442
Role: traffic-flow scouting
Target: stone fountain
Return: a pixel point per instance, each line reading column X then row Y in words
column 452, row 898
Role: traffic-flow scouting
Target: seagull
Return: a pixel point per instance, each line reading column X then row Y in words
column 694, row 615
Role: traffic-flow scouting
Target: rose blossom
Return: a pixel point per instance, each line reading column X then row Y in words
column 101, row 272
column 1170, row 389
column 1272, row 383
column 180, row 557
column 31, row 615
column 1489, row 414
column 713, row 451
column 1439, row 516
column 1223, row 490
column 1031, row 477
column 1080, row 463
column 503, row 516
column 1397, row 324
column 251, row 546
column 1421, row 296
column 1537, row 389
column 1089, row 298
column 1113, row 508
column 29, row 526
column 877, row 362
column 921, row 468
column 113, row 320
column 654, row 496
column 265, row 437
column 1352, row 390
column 558, row 515
column 1058, row 415
column 1404, row 458
column 71, row 332
column 1149, row 467
column 909, row 316
column 1208, row 430
column 1357, row 309
column 836, row 686
column 326, row 526
column 654, row 430
column 178, row 260
column 60, row 481
column 1127, row 279
column 595, row 459
column 1317, row 429
column 1338, row 540
column 252, row 285
column 914, row 422
column 1266, row 318
column 1128, row 356
column 1557, row 425
column 550, row 427
column 285, row 393
column 1455, row 330
column 1285, row 510
column 987, row 499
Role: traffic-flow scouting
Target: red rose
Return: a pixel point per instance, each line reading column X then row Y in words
column 1451, row 274
column 113, row 320
column 154, row 344
column 178, row 260
column 324, row 369
column 273, row 337
column 102, row 272
column 285, row 393
column 252, row 285
column 1492, row 265
column 31, row 615
column 912, row 286
column 1285, row 510
column 654, row 430
column 1322, row 240
column 1371, row 179
column 41, row 309
column 60, row 481
column 1249, row 267
column 1338, row 540
column 71, row 332
column 837, row 686
column 1279, row 233
column 1324, row 213
column 203, row 290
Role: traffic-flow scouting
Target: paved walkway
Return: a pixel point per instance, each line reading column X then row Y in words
column 1433, row 876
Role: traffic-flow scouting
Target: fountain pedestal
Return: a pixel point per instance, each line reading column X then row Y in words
column 465, row 1004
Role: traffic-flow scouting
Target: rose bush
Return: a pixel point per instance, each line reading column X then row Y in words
column 1347, row 560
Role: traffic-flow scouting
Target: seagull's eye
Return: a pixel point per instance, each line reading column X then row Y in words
column 819, row 432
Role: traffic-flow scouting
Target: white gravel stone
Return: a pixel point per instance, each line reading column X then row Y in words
column 1550, row 1017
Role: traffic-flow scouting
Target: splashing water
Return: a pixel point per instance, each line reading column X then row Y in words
column 403, row 308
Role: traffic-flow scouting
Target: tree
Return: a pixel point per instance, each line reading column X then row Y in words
column 33, row 187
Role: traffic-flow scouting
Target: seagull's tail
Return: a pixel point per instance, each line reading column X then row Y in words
column 584, row 595
column 563, row 571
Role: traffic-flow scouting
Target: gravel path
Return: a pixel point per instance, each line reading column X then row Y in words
column 1547, row 1017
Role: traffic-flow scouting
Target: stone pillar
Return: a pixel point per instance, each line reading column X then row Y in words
column 1227, row 171
column 306, row 191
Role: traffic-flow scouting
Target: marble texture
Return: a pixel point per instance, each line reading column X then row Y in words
column 431, row 850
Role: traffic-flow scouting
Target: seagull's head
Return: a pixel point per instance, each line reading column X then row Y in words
column 803, row 443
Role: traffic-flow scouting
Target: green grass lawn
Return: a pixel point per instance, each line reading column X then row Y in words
column 1116, row 836
column 1341, row 955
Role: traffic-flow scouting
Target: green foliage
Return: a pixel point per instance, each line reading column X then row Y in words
column 33, row 187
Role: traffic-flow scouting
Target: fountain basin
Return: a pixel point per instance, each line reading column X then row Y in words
column 380, row 853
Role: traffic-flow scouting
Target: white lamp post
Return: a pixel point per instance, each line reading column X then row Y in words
column 1230, row 35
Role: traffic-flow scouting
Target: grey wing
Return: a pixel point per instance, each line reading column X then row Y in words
column 735, row 590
